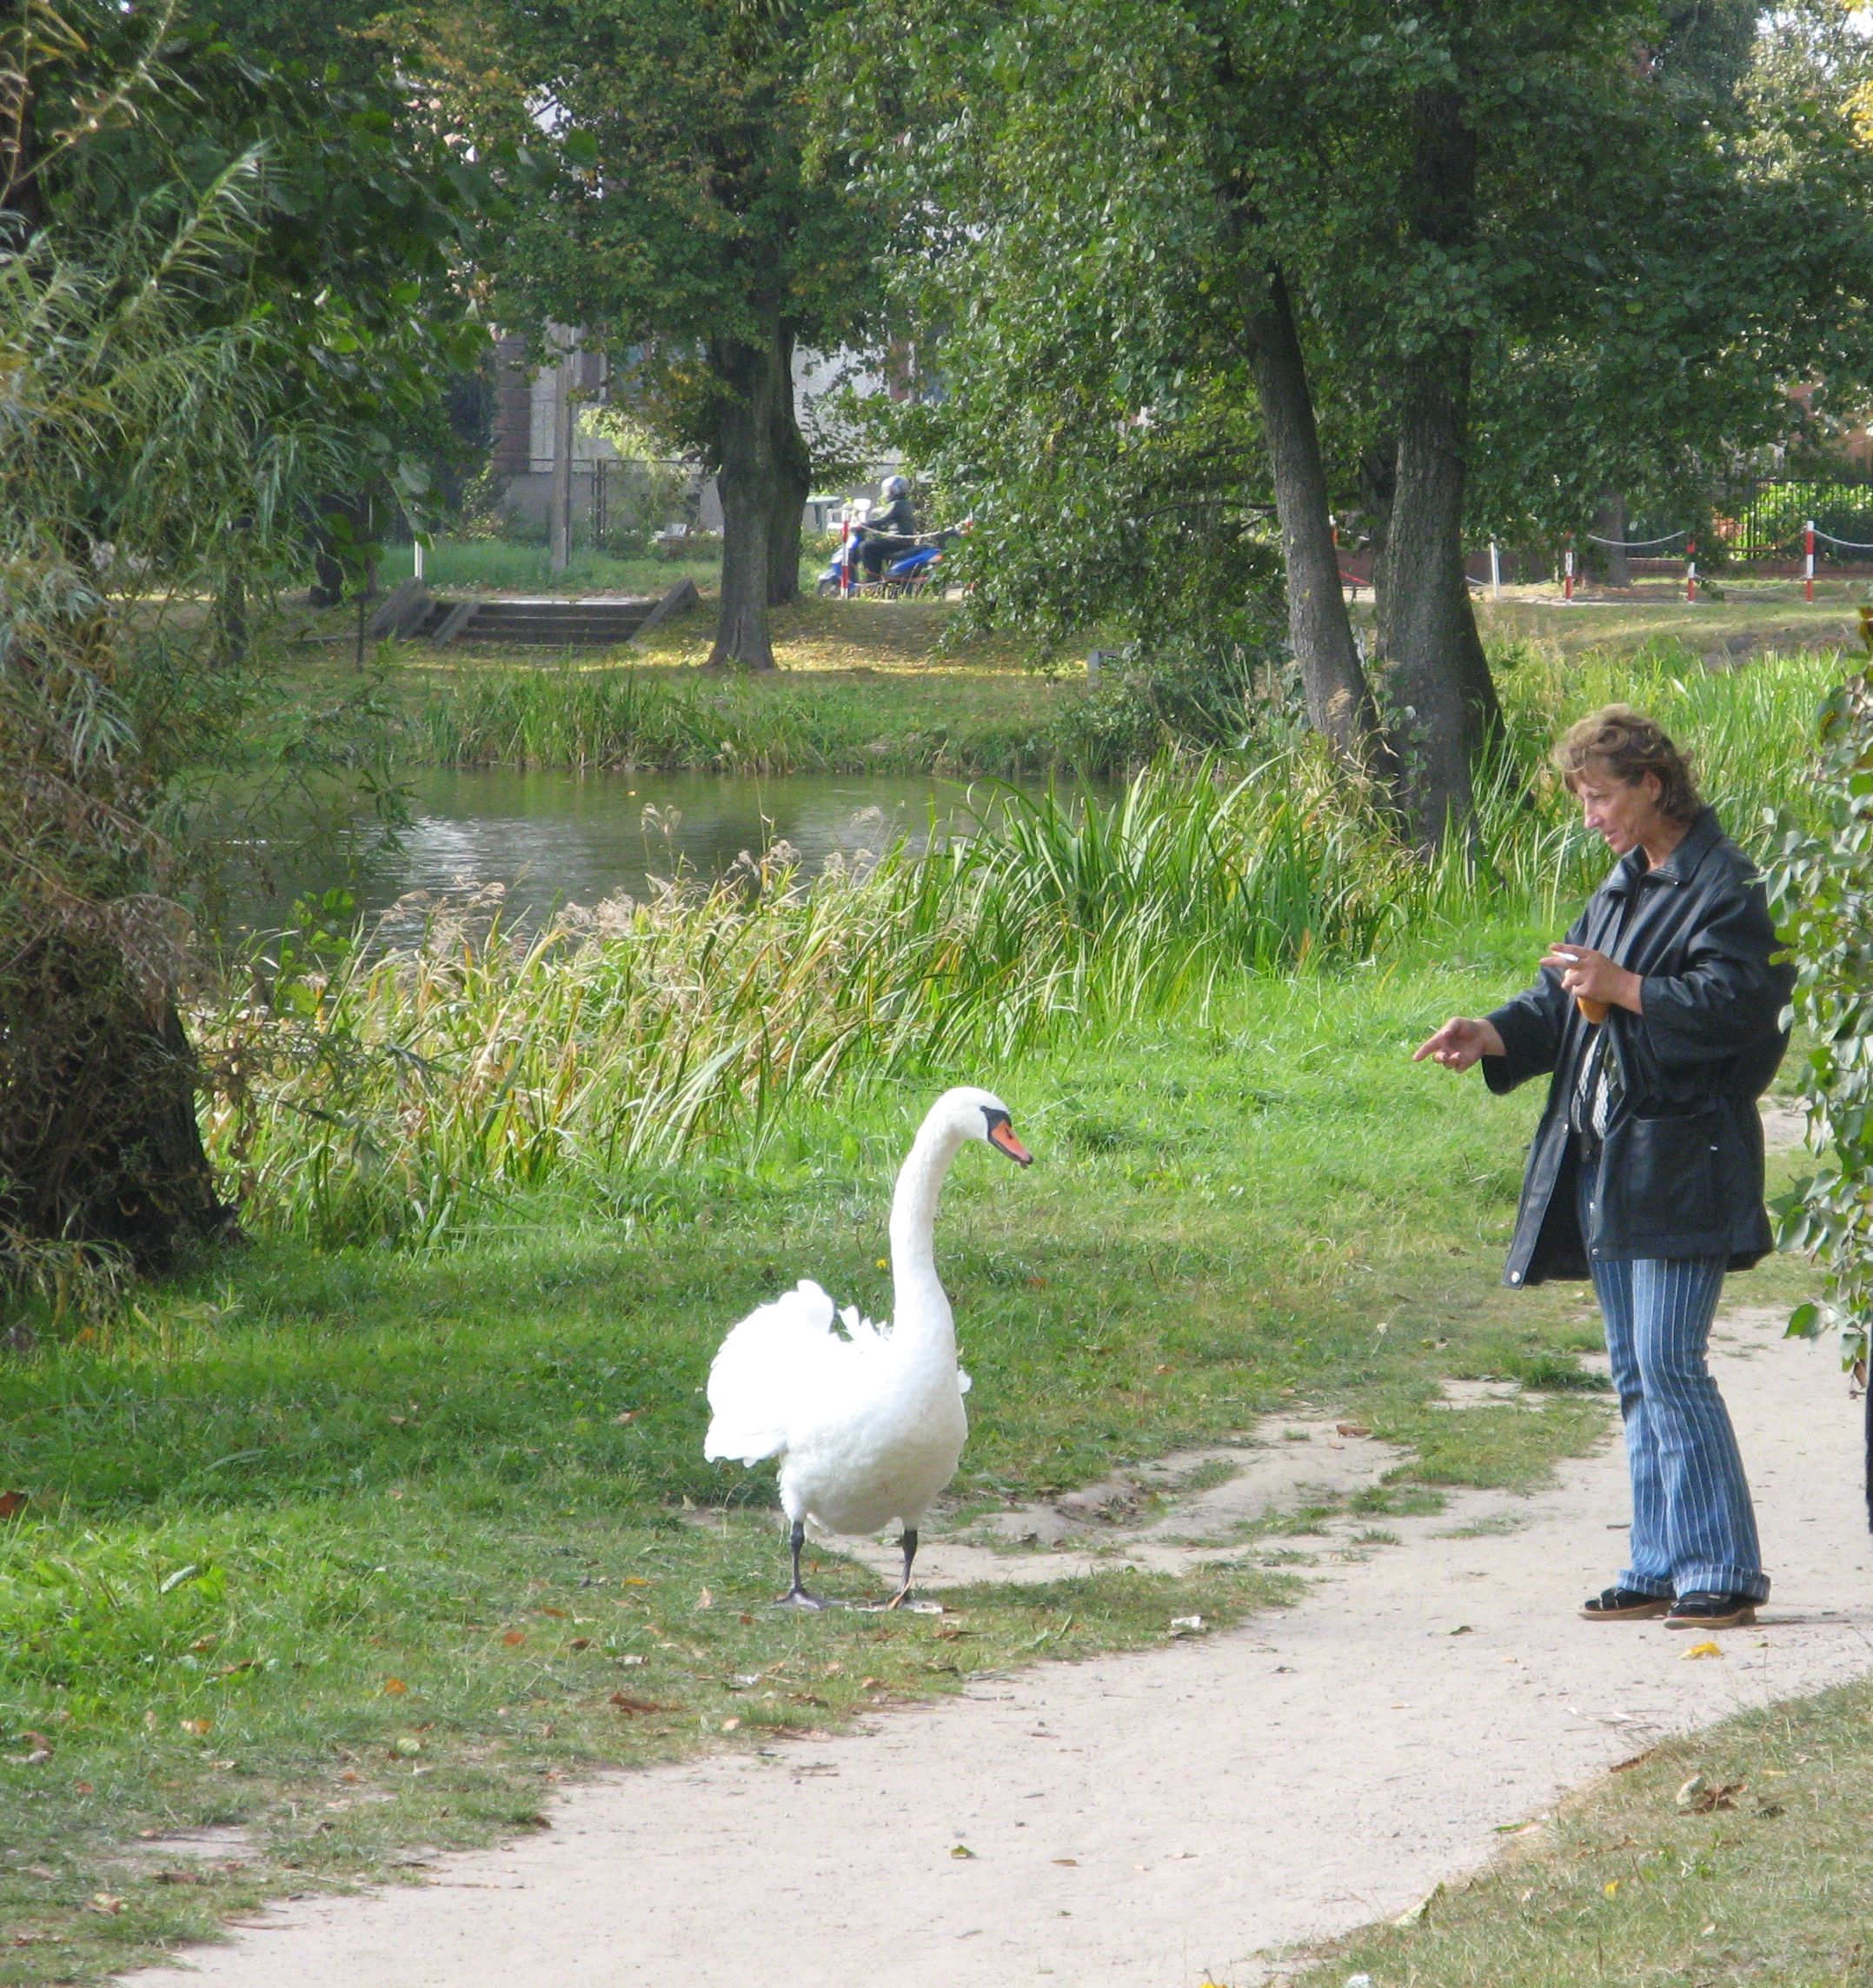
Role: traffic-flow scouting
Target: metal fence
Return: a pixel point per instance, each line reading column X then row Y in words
column 1763, row 519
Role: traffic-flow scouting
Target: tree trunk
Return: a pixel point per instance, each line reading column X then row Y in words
column 1379, row 479
column 1610, row 522
column 329, row 572
column 792, row 485
column 1439, row 677
column 1340, row 701
column 99, row 1142
column 750, row 379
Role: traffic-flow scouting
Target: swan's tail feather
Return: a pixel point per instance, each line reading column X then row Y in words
column 761, row 1369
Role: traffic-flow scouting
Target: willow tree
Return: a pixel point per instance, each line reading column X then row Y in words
column 174, row 401
column 683, row 234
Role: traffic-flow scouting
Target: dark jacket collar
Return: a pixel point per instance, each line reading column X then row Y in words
column 1632, row 870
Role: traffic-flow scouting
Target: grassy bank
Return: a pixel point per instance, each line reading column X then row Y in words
column 870, row 686
column 1627, row 1886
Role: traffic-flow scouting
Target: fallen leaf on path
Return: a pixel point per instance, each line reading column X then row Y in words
column 1189, row 1626
column 1620, row 1766
column 1071, row 1863
column 579, row 1643
column 626, row 1415
column 513, row 1637
column 200, row 1728
column 1611, row 1887
column 705, row 1599
column 558, row 1614
column 10, row 1501
column 1350, row 1429
column 623, row 1701
column 961, row 1850
column 1700, row 1796
column 406, row 1745
column 633, row 1580
column 730, row 1724
column 1414, row 1915
column 105, row 1902
column 1701, row 1650
column 180, row 1877
column 1462, row 1629
column 38, row 1748
column 395, row 1687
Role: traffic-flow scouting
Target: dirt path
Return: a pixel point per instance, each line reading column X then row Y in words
column 1137, row 1821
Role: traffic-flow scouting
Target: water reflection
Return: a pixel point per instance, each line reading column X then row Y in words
column 553, row 838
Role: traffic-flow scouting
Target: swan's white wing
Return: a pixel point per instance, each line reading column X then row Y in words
column 775, row 1358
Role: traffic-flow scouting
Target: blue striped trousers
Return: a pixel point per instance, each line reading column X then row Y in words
column 1693, row 1526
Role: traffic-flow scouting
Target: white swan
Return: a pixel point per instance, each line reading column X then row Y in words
column 868, row 1427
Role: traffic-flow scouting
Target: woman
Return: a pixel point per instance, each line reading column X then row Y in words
column 1660, row 1019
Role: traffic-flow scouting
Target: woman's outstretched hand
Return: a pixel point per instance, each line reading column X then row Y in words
column 1460, row 1042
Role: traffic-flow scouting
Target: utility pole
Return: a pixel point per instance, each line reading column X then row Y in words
column 559, row 521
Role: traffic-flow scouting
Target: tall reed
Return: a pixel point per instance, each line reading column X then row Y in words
column 382, row 1097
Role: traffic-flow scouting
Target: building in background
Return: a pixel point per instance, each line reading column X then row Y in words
column 542, row 450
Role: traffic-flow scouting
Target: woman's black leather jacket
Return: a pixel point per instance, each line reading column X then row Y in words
column 1680, row 1169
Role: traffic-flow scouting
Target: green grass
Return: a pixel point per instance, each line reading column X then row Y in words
column 1624, row 1887
column 384, row 1465
column 577, row 712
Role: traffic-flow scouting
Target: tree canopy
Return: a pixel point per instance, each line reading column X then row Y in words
column 683, row 233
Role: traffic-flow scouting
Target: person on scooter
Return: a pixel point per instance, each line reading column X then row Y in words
column 890, row 532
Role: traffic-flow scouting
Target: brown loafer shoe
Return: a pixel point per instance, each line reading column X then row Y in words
column 1625, row 1605
column 1711, row 1612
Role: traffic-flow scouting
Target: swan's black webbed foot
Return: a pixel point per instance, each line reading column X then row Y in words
column 796, row 1596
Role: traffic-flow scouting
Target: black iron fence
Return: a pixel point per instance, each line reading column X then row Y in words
column 1765, row 519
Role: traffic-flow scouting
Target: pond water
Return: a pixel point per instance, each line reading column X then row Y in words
column 553, row 837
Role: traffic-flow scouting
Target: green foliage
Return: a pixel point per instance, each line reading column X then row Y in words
column 1821, row 881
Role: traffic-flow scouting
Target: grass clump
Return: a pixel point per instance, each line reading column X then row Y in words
column 1756, row 1877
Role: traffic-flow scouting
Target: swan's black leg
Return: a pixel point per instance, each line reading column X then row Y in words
column 796, row 1596
column 909, row 1544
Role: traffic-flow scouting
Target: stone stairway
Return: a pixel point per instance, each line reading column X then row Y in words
column 413, row 614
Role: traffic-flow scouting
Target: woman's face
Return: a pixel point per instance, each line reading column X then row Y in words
column 1623, row 814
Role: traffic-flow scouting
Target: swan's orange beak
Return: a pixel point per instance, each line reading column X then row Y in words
column 1001, row 1133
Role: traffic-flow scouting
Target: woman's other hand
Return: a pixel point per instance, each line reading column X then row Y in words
column 1592, row 976
column 1460, row 1042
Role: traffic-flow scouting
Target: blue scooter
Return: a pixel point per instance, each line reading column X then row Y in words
column 912, row 573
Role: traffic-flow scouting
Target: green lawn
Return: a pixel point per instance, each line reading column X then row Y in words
column 362, row 1550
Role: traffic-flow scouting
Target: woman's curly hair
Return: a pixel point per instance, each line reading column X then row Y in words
column 1628, row 745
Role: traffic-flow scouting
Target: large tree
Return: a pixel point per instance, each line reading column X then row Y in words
column 684, row 234
column 175, row 398
column 1111, row 212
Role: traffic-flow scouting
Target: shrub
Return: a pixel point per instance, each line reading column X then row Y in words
column 1821, row 884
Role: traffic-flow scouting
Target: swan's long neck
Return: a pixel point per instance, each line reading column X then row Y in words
column 919, row 1308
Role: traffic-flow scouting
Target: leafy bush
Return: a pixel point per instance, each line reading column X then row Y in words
column 1821, row 884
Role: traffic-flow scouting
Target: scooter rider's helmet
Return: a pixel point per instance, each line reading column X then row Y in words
column 895, row 487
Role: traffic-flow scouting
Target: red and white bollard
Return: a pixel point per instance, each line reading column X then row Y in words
column 1567, row 570
column 1691, row 569
column 1808, row 561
